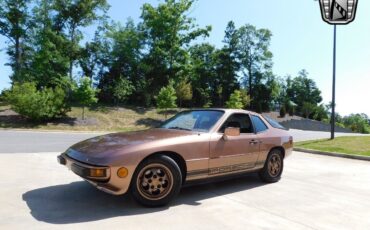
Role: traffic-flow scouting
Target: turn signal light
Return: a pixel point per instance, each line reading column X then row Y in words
column 97, row 173
column 122, row 172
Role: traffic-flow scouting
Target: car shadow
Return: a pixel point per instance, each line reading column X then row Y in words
column 79, row 202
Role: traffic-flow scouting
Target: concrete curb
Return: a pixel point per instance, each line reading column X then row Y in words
column 342, row 155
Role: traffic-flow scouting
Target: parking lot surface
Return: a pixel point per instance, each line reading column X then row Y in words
column 316, row 192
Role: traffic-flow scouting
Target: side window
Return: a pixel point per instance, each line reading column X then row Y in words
column 259, row 125
column 238, row 120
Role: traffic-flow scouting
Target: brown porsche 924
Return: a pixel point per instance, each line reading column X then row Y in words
column 193, row 145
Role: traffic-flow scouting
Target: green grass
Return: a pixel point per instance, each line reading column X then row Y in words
column 347, row 145
column 97, row 118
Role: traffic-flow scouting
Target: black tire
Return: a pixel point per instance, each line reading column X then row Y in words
column 156, row 181
column 273, row 167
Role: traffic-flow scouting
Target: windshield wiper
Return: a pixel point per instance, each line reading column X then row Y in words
column 179, row 128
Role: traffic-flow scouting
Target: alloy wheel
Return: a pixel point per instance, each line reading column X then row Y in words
column 155, row 181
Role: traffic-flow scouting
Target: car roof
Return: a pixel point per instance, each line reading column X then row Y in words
column 226, row 110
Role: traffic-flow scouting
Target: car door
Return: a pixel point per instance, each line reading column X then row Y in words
column 236, row 153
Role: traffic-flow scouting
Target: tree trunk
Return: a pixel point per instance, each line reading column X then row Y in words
column 72, row 54
column 17, row 54
column 83, row 113
column 250, row 84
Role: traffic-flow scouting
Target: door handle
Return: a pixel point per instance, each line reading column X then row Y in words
column 253, row 142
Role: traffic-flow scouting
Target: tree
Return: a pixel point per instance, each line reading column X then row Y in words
column 204, row 78
column 85, row 94
column 307, row 109
column 227, row 64
column 184, row 92
column 235, row 101
column 122, row 58
column 49, row 61
column 169, row 31
column 94, row 55
column 122, row 90
column 255, row 56
column 319, row 113
column 167, row 98
column 246, row 99
column 302, row 90
column 14, row 25
column 73, row 14
column 282, row 111
column 291, row 109
column 266, row 92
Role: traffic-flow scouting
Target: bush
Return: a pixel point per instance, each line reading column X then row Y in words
column 184, row 92
column 36, row 105
column 291, row 110
column 122, row 89
column 2, row 95
column 319, row 113
column 282, row 111
column 85, row 94
column 167, row 98
column 307, row 109
column 235, row 101
column 357, row 123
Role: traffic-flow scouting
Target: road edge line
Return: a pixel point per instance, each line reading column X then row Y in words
column 333, row 154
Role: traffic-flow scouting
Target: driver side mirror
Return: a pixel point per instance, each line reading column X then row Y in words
column 231, row 132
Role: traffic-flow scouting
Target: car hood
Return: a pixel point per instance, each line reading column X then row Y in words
column 91, row 150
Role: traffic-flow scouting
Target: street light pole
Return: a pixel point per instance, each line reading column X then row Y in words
column 333, row 90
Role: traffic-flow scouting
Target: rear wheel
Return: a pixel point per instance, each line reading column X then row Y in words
column 273, row 167
column 156, row 181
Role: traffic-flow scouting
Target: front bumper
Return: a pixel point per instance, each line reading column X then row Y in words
column 84, row 170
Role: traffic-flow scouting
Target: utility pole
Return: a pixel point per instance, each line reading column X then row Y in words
column 333, row 90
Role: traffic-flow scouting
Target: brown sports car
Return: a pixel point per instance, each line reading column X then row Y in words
column 193, row 145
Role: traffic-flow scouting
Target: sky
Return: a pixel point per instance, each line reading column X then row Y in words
column 301, row 40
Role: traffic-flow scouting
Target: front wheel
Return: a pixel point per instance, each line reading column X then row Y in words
column 156, row 181
column 273, row 167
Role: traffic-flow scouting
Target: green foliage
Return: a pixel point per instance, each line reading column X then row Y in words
column 282, row 111
column 303, row 90
column 36, row 105
column 70, row 16
column 236, row 100
column 246, row 99
column 357, row 123
column 133, row 62
column 256, row 62
column 122, row 89
column 227, row 65
column 14, row 24
column 204, row 76
column 307, row 109
column 169, row 30
column 184, row 92
column 319, row 113
column 85, row 94
column 167, row 98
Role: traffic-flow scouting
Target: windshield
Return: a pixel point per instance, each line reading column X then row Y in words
column 197, row 120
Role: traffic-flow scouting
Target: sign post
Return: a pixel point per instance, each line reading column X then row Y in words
column 337, row 12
